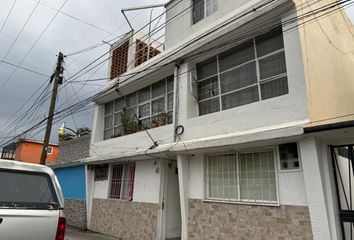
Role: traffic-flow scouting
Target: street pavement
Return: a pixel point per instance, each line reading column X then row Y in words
column 76, row 234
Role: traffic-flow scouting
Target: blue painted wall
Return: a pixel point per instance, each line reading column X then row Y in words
column 72, row 181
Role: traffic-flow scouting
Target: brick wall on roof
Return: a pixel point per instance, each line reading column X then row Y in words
column 119, row 62
column 142, row 52
column 236, row 221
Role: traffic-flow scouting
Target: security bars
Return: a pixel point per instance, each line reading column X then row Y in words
column 243, row 177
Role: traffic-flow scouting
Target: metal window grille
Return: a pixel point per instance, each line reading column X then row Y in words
column 253, row 71
column 147, row 104
column 203, row 8
column 122, row 181
column 242, row 177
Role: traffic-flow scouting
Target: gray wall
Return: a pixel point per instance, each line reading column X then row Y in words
column 74, row 149
column 181, row 27
column 75, row 212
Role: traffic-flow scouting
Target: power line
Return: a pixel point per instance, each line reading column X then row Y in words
column 33, row 45
column 82, row 103
column 111, row 40
column 18, row 35
column 77, row 19
column 26, row 69
column 8, row 15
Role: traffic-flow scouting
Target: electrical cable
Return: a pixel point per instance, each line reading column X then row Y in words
column 18, row 35
column 33, row 45
column 89, row 98
column 8, row 15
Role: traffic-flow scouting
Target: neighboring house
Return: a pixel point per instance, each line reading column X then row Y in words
column 71, row 173
column 240, row 111
column 29, row 151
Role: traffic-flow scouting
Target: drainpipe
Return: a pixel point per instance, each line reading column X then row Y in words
column 176, row 97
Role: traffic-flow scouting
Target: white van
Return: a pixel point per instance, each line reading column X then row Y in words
column 31, row 202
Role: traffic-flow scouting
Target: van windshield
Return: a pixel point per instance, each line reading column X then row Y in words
column 21, row 189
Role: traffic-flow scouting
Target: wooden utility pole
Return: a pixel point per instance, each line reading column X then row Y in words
column 57, row 80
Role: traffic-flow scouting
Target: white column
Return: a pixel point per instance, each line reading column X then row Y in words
column 183, row 180
column 315, row 188
column 89, row 179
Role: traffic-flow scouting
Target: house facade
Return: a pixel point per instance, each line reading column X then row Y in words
column 29, row 151
column 235, row 131
column 71, row 173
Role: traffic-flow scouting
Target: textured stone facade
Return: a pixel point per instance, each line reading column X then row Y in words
column 236, row 221
column 124, row 219
column 74, row 149
column 75, row 212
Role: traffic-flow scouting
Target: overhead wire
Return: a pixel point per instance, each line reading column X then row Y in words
column 33, row 45
column 20, row 32
column 8, row 15
column 26, row 69
column 83, row 102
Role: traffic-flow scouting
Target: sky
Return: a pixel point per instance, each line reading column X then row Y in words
column 80, row 24
column 35, row 44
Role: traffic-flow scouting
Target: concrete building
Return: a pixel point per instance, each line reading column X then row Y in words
column 71, row 173
column 226, row 134
column 26, row 150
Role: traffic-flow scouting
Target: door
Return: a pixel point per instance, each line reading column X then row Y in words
column 172, row 204
column 343, row 167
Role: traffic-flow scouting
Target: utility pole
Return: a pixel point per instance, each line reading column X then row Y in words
column 57, row 80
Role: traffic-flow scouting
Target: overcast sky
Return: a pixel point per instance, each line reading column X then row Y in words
column 64, row 34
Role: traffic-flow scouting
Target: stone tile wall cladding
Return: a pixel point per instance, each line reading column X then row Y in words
column 237, row 221
column 75, row 212
column 74, row 149
column 124, row 219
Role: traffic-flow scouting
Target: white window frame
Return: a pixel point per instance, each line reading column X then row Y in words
column 205, row 10
column 110, row 175
column 51, row 151
column 206, row 197
column 258, row 83
column 298, row 154
column 137, row 105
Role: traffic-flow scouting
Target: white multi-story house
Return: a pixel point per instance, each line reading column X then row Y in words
column 241, row 128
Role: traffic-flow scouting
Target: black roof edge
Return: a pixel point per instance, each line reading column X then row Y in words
column 330, row 126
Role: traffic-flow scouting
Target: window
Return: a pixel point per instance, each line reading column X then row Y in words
column 101, row 172
column 203, row 8
column 139, row 109
column 243, row 177
column 122, row 181
column 22, row 189
column 9, row 151
column 49, row 150
column 248, row 73
column 288, row 156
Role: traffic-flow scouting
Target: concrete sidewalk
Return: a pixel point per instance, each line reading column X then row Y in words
column 77, row 234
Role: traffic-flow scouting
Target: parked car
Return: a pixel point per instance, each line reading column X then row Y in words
column 31, row 202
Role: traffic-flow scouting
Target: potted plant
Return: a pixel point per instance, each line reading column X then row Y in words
column 154, row 124
column 125, row 119
column 163, row 118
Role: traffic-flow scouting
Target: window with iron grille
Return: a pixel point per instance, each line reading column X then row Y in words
column 248, row 73
column 203, row 8
column 153, row 103
column 122, row 181
column 242, row 177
